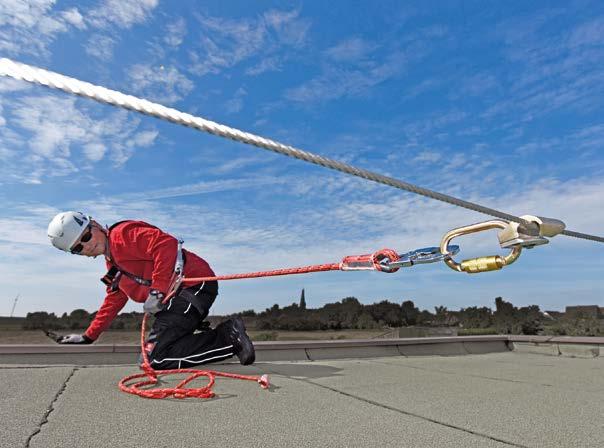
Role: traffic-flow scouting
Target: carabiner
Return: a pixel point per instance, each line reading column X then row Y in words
column 481, row 264
column 422, row 256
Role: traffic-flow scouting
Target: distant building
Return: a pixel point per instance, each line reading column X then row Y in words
column 588, row 311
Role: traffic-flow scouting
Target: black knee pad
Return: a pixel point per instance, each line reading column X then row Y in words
column 201, row 298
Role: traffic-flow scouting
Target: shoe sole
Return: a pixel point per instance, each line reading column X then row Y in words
column 247, row 354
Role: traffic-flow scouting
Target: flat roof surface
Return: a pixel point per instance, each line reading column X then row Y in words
column 488, row 400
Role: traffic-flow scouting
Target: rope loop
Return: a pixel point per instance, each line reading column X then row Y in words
column 151, row 378
column 382, row 254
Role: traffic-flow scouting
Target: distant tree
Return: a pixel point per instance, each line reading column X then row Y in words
column 291, row 309
column 78, row 318
column 386, row 313
column 302, row 300
column 79, row 314
column 409, row 312
column 474, row 317
column 41, row 320
column 504, row 316
column 530, row 320
column 511, row 320
column 366, row 322
column 440, row 315
column 425, row 317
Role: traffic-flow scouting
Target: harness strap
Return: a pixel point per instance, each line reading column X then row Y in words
column 113, row 276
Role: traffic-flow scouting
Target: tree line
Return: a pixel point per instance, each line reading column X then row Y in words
column 350, row 313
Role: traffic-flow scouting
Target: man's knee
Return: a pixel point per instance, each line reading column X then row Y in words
column 201, row 299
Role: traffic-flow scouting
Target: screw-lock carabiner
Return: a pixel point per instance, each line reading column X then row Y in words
column 481, row 264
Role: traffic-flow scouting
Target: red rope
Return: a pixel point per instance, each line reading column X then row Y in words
column 352, row 262
column 288, row 271
column 369, row 261
column 180, row 391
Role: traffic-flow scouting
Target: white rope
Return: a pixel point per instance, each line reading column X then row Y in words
column 101, row 94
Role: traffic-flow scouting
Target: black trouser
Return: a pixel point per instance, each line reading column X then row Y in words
column 175, row 343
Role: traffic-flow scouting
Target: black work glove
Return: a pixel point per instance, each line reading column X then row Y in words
column 74, row 339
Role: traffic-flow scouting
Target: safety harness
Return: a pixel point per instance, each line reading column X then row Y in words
column 114, row 274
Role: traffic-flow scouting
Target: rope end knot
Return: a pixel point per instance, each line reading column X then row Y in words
column 263, row 381
column 382, row 258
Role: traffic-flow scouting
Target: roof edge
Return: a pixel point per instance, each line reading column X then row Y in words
column 308, row 344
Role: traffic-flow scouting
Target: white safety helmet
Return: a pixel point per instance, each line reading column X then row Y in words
column 66, row 228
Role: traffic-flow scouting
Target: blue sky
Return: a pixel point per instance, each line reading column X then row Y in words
column 500, row 103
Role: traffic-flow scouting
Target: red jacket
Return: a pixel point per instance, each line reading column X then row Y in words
column 144, row 251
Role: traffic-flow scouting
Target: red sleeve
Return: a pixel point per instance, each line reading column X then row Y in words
column 113, row 304
column 161, row 247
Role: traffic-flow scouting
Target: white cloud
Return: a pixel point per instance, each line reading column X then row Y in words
column 291, row 29
column 160, row 83
column 121, row 13
column 94, row 151
column 202, row 188
column 270, row 64
column 351, row 49
column 13, row 85
column 335, row 83
column 551, row 70
column 47, row 132
column 226, row 42
column 476, row 85
column 427, row 157
column 235, row 104
column 426, row 85
column 588, row 33
column 143, row 139
column 342, row 80
column 73, row 17
column 238, row 164
column 30, row 26
column 175, row 32
column 100, row 46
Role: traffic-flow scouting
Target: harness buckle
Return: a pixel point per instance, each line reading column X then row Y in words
column 481, row 264
column 178, row 270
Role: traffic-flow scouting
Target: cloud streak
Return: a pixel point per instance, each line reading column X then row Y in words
column 54, row 131
column 226, row 43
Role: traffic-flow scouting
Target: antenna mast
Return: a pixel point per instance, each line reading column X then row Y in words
column 14, row 305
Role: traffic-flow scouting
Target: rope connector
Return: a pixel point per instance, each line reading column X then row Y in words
column 377, row 261
column 424, row 255
column 530, row 236
column 481, row 264
column 387, row 260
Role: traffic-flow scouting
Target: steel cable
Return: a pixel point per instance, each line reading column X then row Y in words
column 101, row 94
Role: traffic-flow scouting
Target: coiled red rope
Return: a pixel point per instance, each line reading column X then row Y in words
column 179, row 391
column 352, row 262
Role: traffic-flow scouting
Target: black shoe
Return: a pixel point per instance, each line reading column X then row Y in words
column 242, row 345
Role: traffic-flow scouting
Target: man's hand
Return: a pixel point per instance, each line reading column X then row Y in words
column 154, row 304
column 74, row 339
